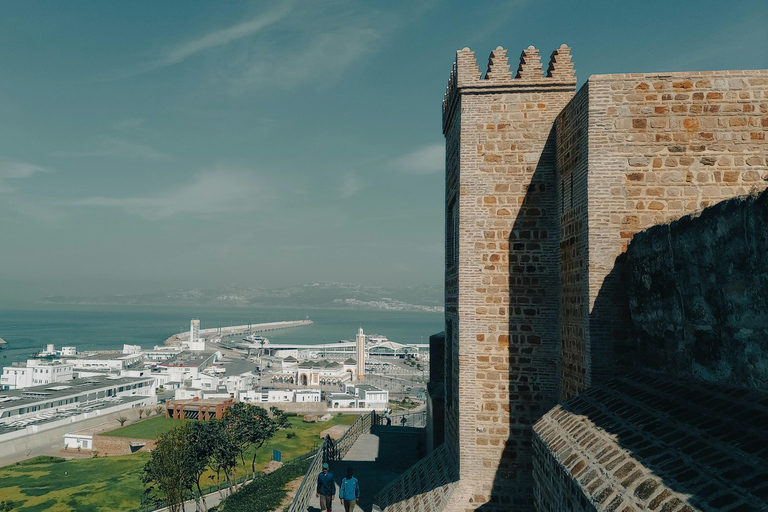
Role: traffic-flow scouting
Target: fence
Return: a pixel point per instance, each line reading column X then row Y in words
column 412, row 419
column 329, row 451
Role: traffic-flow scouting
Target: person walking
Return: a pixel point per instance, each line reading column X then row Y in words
column 326, row 489
column 388, row 416
column 349, row 491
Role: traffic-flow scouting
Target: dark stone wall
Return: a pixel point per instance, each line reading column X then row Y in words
column 699, row 294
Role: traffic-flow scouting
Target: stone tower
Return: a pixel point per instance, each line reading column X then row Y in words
column 360, row 353
column 545, row 190
column 502, row 266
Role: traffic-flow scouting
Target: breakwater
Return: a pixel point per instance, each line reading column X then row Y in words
column 239, row 329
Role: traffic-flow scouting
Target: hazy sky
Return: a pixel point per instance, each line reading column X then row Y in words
column 154, row 145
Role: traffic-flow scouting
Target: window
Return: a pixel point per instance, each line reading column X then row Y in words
column 452, row 234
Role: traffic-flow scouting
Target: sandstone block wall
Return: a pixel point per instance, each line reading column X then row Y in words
column 544, row 191
column 502, row 282
column 658, row 146
column 572, row 191
column 699, row 294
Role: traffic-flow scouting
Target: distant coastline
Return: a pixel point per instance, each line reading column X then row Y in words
column 340, row 306
column 309, row 296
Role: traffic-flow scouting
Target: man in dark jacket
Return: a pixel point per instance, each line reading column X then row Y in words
column 326, row 489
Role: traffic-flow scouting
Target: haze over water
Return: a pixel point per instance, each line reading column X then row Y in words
column 28, row 329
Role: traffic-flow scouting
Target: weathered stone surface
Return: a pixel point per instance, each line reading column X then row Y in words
column 699, row 294
column 649, row 442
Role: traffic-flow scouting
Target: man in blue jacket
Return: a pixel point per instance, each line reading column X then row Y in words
column 349, row 492
column 326, row 489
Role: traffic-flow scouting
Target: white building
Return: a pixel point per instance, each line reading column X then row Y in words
column 281, row 395
column 35, row 372
column 50, row 350
column 184, row 366
column 316, row 373
column 106, row 363
column 195, row 342
column 48, row 403
column 307, row 395
column 161, row 353
column 360, row 396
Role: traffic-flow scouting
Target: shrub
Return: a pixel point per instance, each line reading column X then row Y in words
column 265, row 492
column 40, row 459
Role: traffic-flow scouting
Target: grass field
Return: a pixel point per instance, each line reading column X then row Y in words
column 113, row 484
column 147, row 429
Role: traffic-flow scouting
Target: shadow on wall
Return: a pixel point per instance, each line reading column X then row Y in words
column 676, row 440
column 534, row 333
column 688, row 300
column 611, row 330
column 699, row 294
column 691, row 426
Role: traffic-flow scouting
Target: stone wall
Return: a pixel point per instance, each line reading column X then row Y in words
column 658, row 147
column 689, row 432
column 436, row 392
column 107, row 446
column 544, row 191
column 502, row 281
column 650, row 442
column 572, row 182
column 699, row 294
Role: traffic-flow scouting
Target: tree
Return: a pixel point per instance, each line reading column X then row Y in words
column 141, row 413
column 121, row 420
column 159, row 409
column 224, row 449
column 254, row 426
column 171, row 470
column 6, row 506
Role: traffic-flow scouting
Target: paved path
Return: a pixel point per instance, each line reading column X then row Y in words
column 377, row 458
column 51, row 449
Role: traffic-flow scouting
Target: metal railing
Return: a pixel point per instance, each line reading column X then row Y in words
column 412, row 419
column 329, row 451
column 307, row 489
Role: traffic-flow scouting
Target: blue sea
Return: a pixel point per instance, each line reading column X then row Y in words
column 29, row 328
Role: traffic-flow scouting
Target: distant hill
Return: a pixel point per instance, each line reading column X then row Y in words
column 312, row 295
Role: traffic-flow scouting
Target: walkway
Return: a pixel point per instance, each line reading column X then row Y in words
column 377, row 459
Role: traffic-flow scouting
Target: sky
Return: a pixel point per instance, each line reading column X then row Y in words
column 147, row 146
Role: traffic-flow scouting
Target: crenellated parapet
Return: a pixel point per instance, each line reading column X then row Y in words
column 560, row 65
column 467, row 78
column 530, row 64
column 498, row 65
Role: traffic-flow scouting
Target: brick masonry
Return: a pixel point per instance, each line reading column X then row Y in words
column 501, row 268
column 648, row 442
column 544, row 189
column 658, row 147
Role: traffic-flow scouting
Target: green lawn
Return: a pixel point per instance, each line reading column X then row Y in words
column 113, row 484
column 85, row 485
column 147, row 429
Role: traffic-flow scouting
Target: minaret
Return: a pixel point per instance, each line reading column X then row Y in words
column 360, row 349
